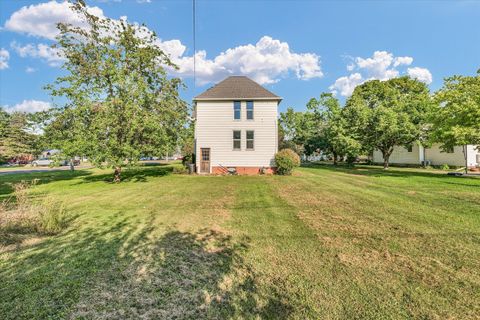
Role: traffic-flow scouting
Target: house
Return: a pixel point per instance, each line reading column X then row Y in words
column 416, row 154
column 236, row 128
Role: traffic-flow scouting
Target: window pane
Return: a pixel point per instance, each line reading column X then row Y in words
column 237, row 134
column 236, row 144
column 236, row 110
column 249, row 134
column 249, row 144
column 249, row 110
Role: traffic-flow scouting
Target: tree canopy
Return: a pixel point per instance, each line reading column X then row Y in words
column 457, row 118
column 117, row 101
column 384, row 114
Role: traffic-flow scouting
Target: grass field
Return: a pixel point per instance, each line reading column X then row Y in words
column 325, row 243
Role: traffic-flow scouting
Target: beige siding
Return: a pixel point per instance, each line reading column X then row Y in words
column 214, row 129
column 401, row 155
column 434, row 154
column 457, row 158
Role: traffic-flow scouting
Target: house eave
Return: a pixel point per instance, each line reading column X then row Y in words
column 242, row 99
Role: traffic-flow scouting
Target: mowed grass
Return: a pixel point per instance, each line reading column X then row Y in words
column 325, row 243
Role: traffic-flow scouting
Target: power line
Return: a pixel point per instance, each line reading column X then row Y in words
column 194, row 46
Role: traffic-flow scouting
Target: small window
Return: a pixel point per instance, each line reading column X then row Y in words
column 450, row 150
column 237, row 110
column 410, row 148
column 249, row 110
column 237, row 139
column 250, row 140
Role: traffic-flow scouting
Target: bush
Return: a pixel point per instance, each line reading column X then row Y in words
column 445, row 167
column 286, row 161
column 180, row 170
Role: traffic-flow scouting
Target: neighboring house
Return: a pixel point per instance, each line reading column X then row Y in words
column 416, row 154
column 236, row 128
column 50, row 153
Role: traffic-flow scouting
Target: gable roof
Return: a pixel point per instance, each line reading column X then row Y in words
column 237, row 88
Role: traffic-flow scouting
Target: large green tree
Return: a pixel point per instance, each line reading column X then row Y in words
column 457, row 118
column 17, row 139
column 295, row 129
column 118, row 103
column 384, row 114
column 332, row 133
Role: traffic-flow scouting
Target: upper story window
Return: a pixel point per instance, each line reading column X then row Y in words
column 237, row 110
column 410, row 148
column 250, row 139
column 237, row 139
column 450, row 150
column 249, row 110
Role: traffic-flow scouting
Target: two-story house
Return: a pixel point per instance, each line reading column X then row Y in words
column 236, row 128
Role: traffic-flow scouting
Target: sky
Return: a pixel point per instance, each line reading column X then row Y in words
column 296, row 49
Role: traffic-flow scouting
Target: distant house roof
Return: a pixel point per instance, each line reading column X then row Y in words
column 237, row 88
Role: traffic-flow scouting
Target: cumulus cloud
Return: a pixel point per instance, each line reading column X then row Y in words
column 267, row 61
column 382, row 66
column 4, row 57
column 41, row 19
column 30, row 70
column 422, row 74
column 29, row 106
column 50, row 55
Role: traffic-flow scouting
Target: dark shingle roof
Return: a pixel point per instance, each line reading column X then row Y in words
column 237, row 88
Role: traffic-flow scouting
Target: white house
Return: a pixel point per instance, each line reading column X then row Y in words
column 236, row 128
column 416, row 154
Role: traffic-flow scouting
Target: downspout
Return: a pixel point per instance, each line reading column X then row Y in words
column 465, row 153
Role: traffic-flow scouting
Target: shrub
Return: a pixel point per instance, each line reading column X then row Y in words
column 286, row 161
column 445, row 167
column 180, row 170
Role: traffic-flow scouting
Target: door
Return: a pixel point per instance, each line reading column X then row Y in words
column 205, row 160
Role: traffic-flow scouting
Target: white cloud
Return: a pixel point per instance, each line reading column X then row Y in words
column 41, row 19
column 144, row 1
column 29, row 106
column 402, row 61
column 345, row 85
column 267, row 61
column 422, row 74
column 382, row 66
column 30, row 70
column 4, row 57
column 50, row 55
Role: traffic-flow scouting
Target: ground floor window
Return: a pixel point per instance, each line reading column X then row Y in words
column 250, row 139
column 237, row 139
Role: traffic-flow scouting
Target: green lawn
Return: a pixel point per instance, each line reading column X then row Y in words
column 325, row 243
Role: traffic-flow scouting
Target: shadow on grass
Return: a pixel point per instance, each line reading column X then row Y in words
column 136, row 174
column 120, row 272
column 366, row 170
column 7, row 181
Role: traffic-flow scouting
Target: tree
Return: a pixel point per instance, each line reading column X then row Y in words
column 457, row 119
column 119, row 102
column 295, row 129
column 16, row 137
column 384, row 114
column 333, row 133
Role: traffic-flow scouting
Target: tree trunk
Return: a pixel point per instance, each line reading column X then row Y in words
column 386, row 157
column 335, row 158
column 72, row 166
column 116, row 174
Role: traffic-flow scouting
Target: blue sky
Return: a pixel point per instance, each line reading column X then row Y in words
column 297, row 49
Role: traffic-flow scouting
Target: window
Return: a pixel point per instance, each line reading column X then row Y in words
column 237, row 110
column 237, row 139
column 249, row 110
column 410, row 148
column 449, row 150
column 250, row 140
